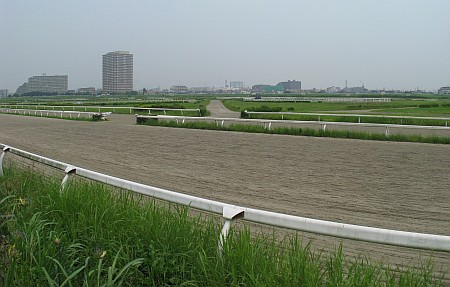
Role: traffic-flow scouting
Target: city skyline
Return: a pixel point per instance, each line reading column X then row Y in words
column 392, row 45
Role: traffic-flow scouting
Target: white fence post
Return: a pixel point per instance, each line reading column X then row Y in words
column 229, row 213
column 387, row 132
column 5, row 149
column 68, row 171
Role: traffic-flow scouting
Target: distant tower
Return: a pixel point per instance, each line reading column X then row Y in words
column 118, row 72
column 226, row 84
column 346, row 84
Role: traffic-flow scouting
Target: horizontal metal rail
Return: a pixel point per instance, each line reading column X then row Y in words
column 164, row 110
column 230, row 212
column 351, row 115
column 52, row 112
column 100, row 108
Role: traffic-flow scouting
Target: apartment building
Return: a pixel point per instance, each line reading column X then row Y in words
column 57, row 84
column 117, row 72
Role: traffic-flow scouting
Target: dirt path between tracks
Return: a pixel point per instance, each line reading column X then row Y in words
column 218, row 110
column 393, row 185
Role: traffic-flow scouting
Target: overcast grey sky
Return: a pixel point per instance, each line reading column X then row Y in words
column 397, row 44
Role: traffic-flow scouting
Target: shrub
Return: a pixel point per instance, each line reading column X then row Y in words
column 265, row 108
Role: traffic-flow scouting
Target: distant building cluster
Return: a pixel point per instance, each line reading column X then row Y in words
column 117, row 78
column 179, row 89
column 57, row 84
column 236, row 85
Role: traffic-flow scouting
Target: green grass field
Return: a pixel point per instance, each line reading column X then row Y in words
column 301, row 132
column 429, row 108
column 116, row 106
column 92, row 235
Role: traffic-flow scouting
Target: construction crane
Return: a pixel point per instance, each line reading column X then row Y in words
column 361, row 83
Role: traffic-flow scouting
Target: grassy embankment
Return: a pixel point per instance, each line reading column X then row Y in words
column 89, row 235
column 424, row 108
column 302, row 132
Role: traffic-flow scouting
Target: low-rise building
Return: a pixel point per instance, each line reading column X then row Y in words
column 259, row 88
column 291, row 86
column 3, row 93
column 86, row 91
column 179, row 89
column 333, row 89
column 444, row 90
column 200, row 90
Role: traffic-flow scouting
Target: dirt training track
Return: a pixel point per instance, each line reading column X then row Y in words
column 404, row 186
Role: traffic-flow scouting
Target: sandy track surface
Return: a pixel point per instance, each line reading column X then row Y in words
column 218, row 110
column 403, row 186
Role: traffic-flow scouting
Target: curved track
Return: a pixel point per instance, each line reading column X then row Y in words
column 394, row 185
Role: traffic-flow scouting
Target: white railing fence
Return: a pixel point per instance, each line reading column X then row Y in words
column 55, row 113
column 318, row 115
column 232, row 212
column 97, row 108
column 267, row 123
column 317, row 99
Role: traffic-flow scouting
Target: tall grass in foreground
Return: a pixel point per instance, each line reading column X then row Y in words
column 91, row 235
column 303, row 132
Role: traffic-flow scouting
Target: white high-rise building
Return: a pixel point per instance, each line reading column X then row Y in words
column 117, row 72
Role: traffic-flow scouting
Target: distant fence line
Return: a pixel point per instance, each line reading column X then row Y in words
column 268, row 123
column 308, row 99
column 100, row 108
column 232, row 212
column 401, row 118
column 318, row 100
